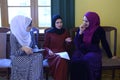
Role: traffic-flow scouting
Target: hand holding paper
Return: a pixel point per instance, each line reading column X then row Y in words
column 63, row 55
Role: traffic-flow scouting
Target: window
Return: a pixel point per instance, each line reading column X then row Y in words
column 20, row 7
column 38, row 10
column 0, row 13
column 44, row 13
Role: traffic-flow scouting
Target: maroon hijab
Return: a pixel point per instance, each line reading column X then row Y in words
column 94, row 23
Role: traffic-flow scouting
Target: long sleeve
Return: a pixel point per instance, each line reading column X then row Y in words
column 15, row 46
column 78, row 40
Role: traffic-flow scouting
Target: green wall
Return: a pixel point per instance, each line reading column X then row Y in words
column 108, row 10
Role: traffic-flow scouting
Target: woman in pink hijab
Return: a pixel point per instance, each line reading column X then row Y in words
column 86, row 60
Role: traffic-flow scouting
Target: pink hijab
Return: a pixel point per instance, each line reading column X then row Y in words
column 94, row 23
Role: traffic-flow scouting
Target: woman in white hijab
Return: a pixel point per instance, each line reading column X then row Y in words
column 25, row 64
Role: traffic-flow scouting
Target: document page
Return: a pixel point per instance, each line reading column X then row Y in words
column 63, row 55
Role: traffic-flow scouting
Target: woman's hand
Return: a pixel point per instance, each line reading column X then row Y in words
column 50, row 52
column 82, row 28
column 68, row 39
column 27, row 50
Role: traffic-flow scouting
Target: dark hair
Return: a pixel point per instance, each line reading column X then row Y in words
column 54, row 18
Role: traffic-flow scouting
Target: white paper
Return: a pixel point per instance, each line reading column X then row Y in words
column 38, row 50
column 63, row 55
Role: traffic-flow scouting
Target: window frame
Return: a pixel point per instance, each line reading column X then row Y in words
column 0, row 14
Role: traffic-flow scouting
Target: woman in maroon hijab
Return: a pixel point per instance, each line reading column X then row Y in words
column 86, row 60
column 55, row 41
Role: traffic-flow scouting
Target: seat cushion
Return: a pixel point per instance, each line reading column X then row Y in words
column 110, row 62
column 45, row 63
column 5, row 63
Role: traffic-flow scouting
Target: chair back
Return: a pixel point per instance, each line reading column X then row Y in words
column 47, row 29
column 111, row 36
column 73, row 32
column 4, row 30
column 3, row 37
column 35, row 33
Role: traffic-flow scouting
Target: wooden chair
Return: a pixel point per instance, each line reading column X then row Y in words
column 4, row 29
column 5, row 63
column 111, row 64
column 46, row 69
column 107, row 64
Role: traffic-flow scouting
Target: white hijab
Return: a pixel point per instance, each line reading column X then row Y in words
column 18, row 27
